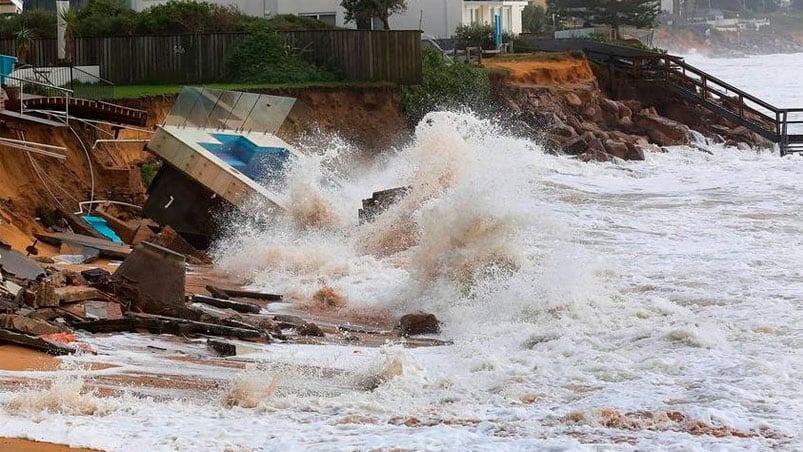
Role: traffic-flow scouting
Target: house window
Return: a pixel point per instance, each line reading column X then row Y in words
column 327, row 18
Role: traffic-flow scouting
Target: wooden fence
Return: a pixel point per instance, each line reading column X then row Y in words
column 361, row 55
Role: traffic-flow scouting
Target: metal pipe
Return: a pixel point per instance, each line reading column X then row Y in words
column 28, row 143
column 104, row 201
column 34, row 150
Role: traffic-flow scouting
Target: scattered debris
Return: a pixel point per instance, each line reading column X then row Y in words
column 419, row 323
column 157, row 324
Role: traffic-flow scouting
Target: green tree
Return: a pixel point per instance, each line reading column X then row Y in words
column 70, row 18
column 616, row 13
column 363, row 11
column 104, row 18
column 533, row 18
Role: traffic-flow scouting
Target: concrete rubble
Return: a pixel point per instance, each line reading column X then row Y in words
column 50, row 308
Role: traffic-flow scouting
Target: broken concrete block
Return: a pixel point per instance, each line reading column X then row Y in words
column 152, row 280
column 419, row 323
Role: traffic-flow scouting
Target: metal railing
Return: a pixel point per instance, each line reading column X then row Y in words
column 781, row 125
column 84, row 84
column 22, row 88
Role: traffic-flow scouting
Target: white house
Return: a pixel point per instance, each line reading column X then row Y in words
column 437, row 18
column 440, row 18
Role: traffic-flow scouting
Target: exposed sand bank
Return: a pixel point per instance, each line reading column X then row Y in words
column 545, row 72
column 26, row 445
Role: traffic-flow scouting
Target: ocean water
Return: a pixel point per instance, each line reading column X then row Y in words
column 648, row 305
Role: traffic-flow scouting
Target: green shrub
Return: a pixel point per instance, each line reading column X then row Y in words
column 41, row 23
column 579, row 54
column 475, row 35
column 446, row 86
column 148, row 170
column 266, row 58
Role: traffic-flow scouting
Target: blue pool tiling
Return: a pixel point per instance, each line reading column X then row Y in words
column 99, row 224
column 247, row 157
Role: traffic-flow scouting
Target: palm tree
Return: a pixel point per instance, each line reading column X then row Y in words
column 23, row 40
column 70, row 19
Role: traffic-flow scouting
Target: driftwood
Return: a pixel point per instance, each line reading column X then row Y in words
column 245, row 294
column 158, row 324
column 38, row 343
column 238, row 306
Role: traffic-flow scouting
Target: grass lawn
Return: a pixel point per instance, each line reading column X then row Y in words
column 137, row 91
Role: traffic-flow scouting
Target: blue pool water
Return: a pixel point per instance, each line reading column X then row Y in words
column 247, row 157
column 99, row 224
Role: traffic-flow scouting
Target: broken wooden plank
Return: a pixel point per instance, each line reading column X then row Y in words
column 107, row 248
column 245, row 294
column 72, row 294
column 38, row 343
column 238, row 306
column 157, row 324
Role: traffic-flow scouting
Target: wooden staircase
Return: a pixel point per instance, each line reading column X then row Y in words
column 670, row 72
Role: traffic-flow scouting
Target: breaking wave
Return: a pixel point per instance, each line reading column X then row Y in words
column 453, row 238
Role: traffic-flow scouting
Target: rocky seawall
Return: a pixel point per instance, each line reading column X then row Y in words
column 561, row 103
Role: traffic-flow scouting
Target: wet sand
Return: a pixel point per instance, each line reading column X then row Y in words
column 15, row 358
column 25, row 445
